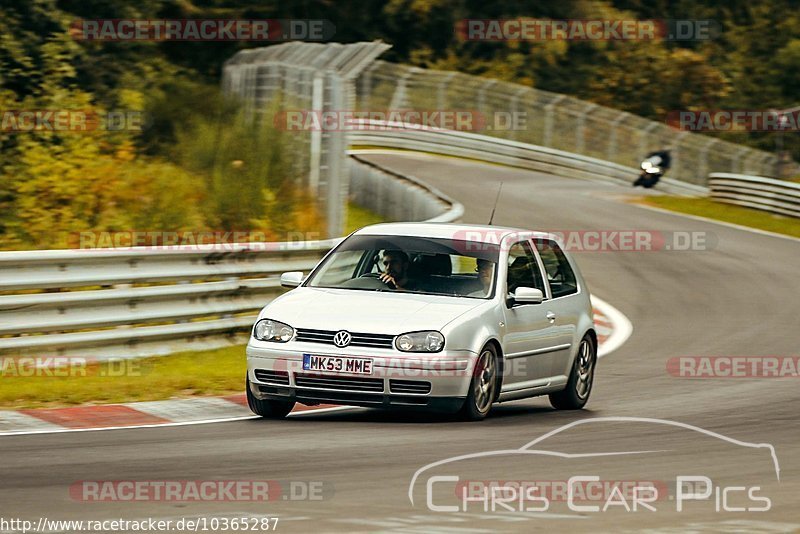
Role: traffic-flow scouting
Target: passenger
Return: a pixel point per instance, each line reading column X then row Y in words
column 485, row 270
column 395, row 275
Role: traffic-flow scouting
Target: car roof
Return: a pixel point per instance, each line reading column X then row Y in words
column 469, row 232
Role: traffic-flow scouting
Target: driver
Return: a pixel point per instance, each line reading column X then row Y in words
column 395, row 270
column 485, row 270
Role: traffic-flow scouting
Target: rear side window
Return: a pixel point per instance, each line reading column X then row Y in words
column 557, row 269
column 523, row 271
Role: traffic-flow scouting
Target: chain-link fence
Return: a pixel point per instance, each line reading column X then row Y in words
column 312, row 79
column 305, row 77
column 555, row 121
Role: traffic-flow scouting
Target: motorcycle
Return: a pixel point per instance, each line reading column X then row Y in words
column 653, row 167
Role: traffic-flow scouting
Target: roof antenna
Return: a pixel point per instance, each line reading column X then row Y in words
column 491, row 217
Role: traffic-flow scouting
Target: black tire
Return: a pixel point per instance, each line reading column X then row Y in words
column 270, row 409
column 482, row 387
column 579, row 386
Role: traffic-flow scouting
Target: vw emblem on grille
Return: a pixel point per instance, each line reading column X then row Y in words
column 342, row 338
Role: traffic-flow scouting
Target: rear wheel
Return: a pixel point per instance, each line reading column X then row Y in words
column 270, row 409
column 579, row 385
column 483, row 387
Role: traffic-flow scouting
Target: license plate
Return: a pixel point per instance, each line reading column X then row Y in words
column 360, row 366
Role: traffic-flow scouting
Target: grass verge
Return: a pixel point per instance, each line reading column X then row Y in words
column 184, row 374
column 705, row 207
column 358, row 217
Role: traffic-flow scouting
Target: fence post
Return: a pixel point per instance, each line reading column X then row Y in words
column 515, row 111
column 337, row 190
column 611, row 151
column 677, row 164
column 482, row 94
column 365, row 91
column 399, row 96
column 737, row 160
column 580, row 131
column 704, row 157
column 645, row 141
column 316, row 134
column 548, row 120
column 441, row 98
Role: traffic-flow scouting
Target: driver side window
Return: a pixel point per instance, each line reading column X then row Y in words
column 523, row 270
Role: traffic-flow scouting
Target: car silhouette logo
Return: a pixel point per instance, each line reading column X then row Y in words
column 342, row 338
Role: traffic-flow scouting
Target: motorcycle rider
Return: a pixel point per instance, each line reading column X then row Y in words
column 659, row 160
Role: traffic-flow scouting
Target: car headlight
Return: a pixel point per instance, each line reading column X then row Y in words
column 269, row 330
column 427, row 341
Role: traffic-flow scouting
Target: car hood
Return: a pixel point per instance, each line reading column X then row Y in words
column 366, row 311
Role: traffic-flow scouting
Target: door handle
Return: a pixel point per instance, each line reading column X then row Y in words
column 551, row 317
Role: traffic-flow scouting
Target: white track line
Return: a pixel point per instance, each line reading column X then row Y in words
column 177, row 423
column 621, row 331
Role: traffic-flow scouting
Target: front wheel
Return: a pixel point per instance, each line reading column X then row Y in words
column 579, row 385
column 483, row 387
column 270, row 409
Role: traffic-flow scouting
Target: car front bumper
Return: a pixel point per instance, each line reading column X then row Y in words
column 434, row 382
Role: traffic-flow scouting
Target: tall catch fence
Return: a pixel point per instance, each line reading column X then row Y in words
column 556, row 121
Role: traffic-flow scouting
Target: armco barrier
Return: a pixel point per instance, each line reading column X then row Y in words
column 497, row 150
column 117, row 303
column 767, row 194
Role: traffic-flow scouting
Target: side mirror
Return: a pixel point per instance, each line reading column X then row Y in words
column 292, row 279
column 526, row 295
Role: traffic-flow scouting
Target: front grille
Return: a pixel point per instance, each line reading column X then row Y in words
column 410, row 386
column 341, row 383
column 272, row 377
column 359, row 339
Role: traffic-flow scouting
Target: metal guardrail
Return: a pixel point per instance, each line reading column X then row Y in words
column 122, row 303
column 767, row 194
column 505, row 151
column 398, row 197
column 557, row 121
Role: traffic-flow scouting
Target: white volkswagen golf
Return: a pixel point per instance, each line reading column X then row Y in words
column 440, row 317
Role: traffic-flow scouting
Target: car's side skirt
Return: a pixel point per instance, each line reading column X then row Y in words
column 543, row 350
column 532, row 388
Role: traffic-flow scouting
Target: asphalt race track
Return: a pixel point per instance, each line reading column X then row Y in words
column 740, row 298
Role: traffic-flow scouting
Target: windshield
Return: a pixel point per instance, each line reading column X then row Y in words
column 410, row 264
